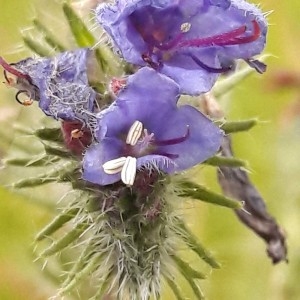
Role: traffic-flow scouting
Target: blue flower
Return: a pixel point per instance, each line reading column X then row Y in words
column 145, row 130
column 191, row 41
column 59, row 84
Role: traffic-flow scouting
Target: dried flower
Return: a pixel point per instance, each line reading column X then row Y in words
column 59, row 84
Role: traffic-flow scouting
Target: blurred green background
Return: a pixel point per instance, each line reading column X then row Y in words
column 272, row 149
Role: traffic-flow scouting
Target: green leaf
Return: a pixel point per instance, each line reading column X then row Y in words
column 36, row 161
column 219, row 160
column 65, row 241
column 198, row 192
column 195, row 245
column 238, row 126
column 196, row 289
column 57, row 223
column 48, row 36
column 81, row 262
column 49, row 134
column 81, row 34
column 50, row 176
column 187, row 269
column 174, row 288
column 36, row 47
column 89, row 268
column 57, row 151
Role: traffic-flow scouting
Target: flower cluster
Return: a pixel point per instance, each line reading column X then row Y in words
column 190, row 41
column 183, row 46
column 128, row 138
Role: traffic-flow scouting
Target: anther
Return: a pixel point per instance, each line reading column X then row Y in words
column 185, row 27
column 134, row 133
column 128, row 172
column 76, row 134
column 114, row 166
column 26, row 102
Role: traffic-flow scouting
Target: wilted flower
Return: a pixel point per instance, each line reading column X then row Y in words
column 190, row 41
column 59, row 84
column 144, row 129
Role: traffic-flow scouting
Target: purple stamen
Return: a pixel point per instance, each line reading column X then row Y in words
column 171, row 44
column 220, row 39
column 225, row 39
column 148, row 60
column 246, row 39
column 175, row 140
column 208, row 68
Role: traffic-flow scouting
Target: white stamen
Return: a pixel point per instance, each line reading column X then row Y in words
column 134, row 133
column 129, row 170
column 114, row 166
column 185, row 27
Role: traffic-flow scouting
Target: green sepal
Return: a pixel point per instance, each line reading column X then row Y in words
column 36, row 161
column 107, row 61
column 81, row 262
column 36, row 47
column 196, row 289
column 184, row 267
column 198, row 192
column 50, row 176
column 48, row 36
column 101, row 59
column 173, row 287
column 49, row 134
column 219, row 161
column 238, row 126
column 58, row 222
column 57, row 151
column 89, row 268
column 81, row 33
column 104, row 285
column 65, row 241
column 195, row 245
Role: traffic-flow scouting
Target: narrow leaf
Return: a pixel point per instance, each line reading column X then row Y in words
column 49, row 134
column 174, row 288
column 37, row 161
column 65, row 241
column 232, row 162
column 57, row 151
column 195, row 245
column 92, row 265
column 48, row 36
column 198, row 192
column 196, row 289
column 186, row 268
column 36, row 47
column 57, row 223
column 50, row 176
column 82, row 35
column 237, row 126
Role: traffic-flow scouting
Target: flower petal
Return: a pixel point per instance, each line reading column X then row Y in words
column 94, row 158
column 163, row 33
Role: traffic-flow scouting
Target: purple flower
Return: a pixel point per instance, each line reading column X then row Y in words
column 191, row 41
column 59, row 83
column 144, row 129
